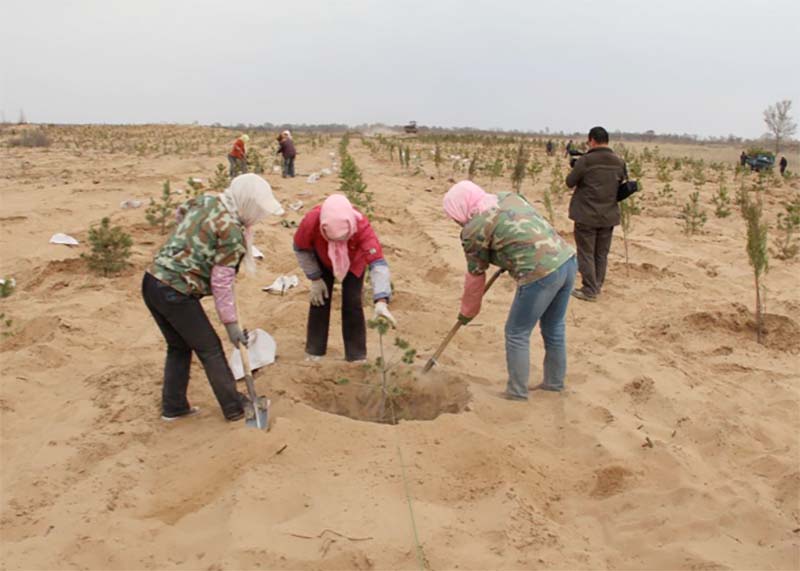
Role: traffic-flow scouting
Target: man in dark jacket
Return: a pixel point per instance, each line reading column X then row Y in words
column 289, row 153
column 593, row 207
column 783, row 164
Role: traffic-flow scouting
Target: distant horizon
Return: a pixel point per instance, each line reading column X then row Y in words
column 333, row 126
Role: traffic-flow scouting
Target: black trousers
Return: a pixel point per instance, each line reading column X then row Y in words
column 354, row 329
column 186, row 328
column 593, row 247
column 288, row 167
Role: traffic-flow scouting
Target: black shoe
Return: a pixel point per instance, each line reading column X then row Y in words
column 235, row 416
column 170, row 416
column 582, row 295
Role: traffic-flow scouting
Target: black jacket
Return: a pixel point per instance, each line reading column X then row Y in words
column 596, row 177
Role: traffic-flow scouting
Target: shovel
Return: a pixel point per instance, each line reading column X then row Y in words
column 257, row 411
column 432, row 361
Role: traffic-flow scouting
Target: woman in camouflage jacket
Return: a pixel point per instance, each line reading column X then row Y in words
column 506, row 231
column 201, row 257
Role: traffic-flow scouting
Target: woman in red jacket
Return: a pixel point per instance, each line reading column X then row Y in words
column 237, row 158
column 334, row 240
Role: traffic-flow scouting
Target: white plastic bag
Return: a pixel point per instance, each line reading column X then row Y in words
column 59, row 238
column 281, row 284
column 261, row 348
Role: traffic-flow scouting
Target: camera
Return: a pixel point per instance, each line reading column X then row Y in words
column 573, row 157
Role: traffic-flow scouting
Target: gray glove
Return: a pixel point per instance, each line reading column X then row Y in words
column 235, row 334
column 319, row 292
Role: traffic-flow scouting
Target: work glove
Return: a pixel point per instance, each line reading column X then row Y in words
column 235, row 334
column 382, row 310
column 319, row 292
column 463, row 319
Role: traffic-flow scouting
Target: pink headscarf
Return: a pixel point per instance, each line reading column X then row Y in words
column 465, row 199
column 338, row 221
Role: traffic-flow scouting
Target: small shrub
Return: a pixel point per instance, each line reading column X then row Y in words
column 7, row 286
column 520, row 164
column 693, row 216
column 254, row 161
column 756, row 253
column 220, row 179
column 495, row 170
column 31, row 139
column 786, row 246
column 5, row 325
column 111, row 248
column 385, row 366
column 628, row 208
column 722, row 201
column 437, row 158
column 161, row 213
column 667, row 192
column 196, row 186
column 535, row 168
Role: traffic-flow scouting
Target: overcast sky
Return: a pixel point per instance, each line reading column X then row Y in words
column 708, row 67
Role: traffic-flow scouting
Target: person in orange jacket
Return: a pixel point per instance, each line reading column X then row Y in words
column 237, row 158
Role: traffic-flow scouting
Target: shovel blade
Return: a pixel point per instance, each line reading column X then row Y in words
column 257, row 415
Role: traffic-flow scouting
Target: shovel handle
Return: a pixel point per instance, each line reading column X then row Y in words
column 432, row 361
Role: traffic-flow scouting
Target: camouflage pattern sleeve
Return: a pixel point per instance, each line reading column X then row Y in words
column 475, row 248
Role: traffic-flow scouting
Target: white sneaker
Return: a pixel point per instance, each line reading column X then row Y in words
column 313, row 358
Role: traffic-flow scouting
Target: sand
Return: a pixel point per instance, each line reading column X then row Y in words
column 674, row 447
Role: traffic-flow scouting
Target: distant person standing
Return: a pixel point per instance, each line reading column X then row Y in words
column 286, row 148
column 593, row 207
column 549, row 148
column 568, row 148
column 783, row 164
column 237, row 158
column 743, row 158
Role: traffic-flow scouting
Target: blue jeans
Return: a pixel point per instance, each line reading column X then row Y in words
column 545, row 301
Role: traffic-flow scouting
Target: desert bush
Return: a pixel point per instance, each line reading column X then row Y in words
column 667, row 192
column 535, row 168
column 628, row 208
column 495, row 170
column 7, row 286
column 518, row 173
column 693, row 216
column 196, row 187
column 722, row 201
column 161, row 213
column 756, row 253
column 254, row 161
column 473, row 167
column 351, row 182
column 219, row 180
column 548, row 204
column 557, row 187
column 110, row 248
column 5, row 325
column 437, row 158
column 386, row 368
column 31, row 139
column 786, row 243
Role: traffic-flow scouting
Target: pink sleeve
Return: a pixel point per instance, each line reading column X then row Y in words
column 473, row 294
column 222, row 278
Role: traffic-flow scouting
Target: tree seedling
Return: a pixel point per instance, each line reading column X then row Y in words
column 161, row 213
column 111, row 248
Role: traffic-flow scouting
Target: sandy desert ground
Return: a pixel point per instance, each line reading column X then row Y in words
column 674, row 447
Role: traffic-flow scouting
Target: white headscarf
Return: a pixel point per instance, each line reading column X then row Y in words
column 286, row 134
column 249, row 198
